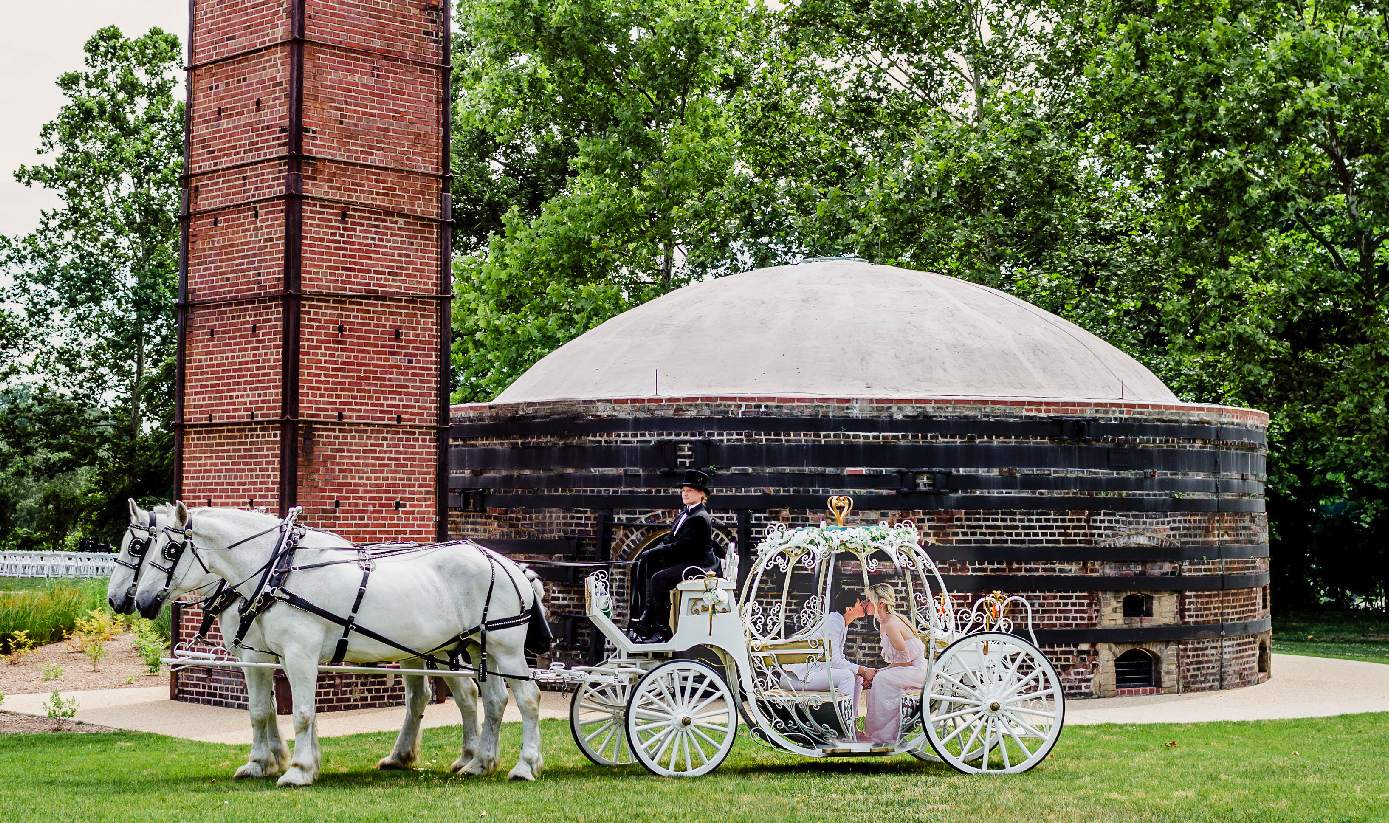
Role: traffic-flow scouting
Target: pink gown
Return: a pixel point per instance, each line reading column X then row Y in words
column 883, row 720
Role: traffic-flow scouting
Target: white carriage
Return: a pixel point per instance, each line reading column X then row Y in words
column 990, row 702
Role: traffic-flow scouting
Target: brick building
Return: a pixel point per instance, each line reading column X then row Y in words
column 314, row 286
column 1043, row 461
column 314, row 271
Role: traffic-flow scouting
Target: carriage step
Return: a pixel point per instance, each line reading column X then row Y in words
column 857, row 750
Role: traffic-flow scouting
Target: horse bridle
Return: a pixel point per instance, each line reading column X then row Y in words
column 138, row 549
column 172, row 553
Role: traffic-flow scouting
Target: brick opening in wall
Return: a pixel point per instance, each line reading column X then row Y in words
column 1138, row 605
column 1135, row 669
column 1263, row 657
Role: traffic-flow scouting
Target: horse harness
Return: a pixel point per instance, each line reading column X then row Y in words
column 138, row 548
column 271, row 589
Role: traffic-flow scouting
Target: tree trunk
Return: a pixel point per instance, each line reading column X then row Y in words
column 135, row 386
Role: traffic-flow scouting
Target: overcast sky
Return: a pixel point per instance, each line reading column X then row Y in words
column 39, row 40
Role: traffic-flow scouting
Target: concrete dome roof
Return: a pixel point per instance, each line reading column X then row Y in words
column 838, row 328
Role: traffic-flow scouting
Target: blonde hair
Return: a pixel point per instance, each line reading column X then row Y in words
column 885, row 594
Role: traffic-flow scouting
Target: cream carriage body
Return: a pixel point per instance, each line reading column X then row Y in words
column 990, row 700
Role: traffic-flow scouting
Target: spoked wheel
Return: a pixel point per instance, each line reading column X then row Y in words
column 925, row 754
column 598, row 721
column 995, row 704
column 681, row 720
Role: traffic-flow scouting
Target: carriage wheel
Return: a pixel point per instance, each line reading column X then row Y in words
column 598, row 721
column 681, row 720
column 996, row 704
column 924, row 754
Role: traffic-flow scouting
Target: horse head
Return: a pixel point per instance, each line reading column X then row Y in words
column 194, row 551
column 174, row 566
column 130, row 561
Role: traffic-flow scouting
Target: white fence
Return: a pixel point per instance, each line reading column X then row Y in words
column 57, row 564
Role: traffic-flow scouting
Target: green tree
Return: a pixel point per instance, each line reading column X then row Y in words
column 1255, row 131
column 601, row 126
column 96, row 281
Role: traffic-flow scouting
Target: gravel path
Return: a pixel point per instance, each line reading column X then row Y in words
column 11, row 723
column 122, row 668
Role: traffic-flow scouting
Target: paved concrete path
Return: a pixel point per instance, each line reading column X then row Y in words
column 1300, row 687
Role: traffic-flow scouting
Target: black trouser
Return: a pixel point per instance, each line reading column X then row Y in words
column 658, row 590
column 655, row 597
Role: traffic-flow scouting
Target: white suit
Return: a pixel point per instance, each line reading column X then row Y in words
column 816, row 677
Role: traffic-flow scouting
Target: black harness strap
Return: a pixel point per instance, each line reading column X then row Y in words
column 273, row 579
column 291, row 599
column 504, row 623
column 482, row 627
column 341, row 651
column 213, row 607
column 137, row 549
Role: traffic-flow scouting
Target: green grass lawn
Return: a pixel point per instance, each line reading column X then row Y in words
column 1329, row 769
column 1351, row 635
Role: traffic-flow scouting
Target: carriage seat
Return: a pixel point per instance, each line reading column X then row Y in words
column 825, row 716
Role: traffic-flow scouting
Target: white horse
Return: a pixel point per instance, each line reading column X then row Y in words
column 134, row 551
column 425, row 600
column 269, row 756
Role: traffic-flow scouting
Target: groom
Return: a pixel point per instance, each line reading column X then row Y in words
column 848, row 677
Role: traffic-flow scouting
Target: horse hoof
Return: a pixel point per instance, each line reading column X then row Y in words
column 296, row 777
column 521, row 772
column 392, row 762
column 459, row 764
column 477, row 768
column 252, row 769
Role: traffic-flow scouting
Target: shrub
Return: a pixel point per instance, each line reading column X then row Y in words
column 150, row 644
column 99, row 625
column 51, row 671
column 57, row 707
column 20, row 645
column 164, row 625
column 93, row 631
column 94, row 650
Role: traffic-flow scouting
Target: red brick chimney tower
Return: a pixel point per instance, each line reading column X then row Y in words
column 314, row 273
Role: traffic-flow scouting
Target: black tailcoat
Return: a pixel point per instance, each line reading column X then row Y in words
column 689, row 543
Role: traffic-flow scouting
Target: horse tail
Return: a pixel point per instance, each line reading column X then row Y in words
column 538, row 637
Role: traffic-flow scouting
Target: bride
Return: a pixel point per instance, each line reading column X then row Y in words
column 906, row 667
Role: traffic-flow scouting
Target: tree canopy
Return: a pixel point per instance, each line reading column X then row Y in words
column 1200, row 182
column 90, row 334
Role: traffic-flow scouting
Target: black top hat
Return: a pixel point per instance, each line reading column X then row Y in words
column 697, row 480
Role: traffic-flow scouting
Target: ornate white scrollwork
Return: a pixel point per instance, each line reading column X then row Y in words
column 597, row 593
column 990, row 613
